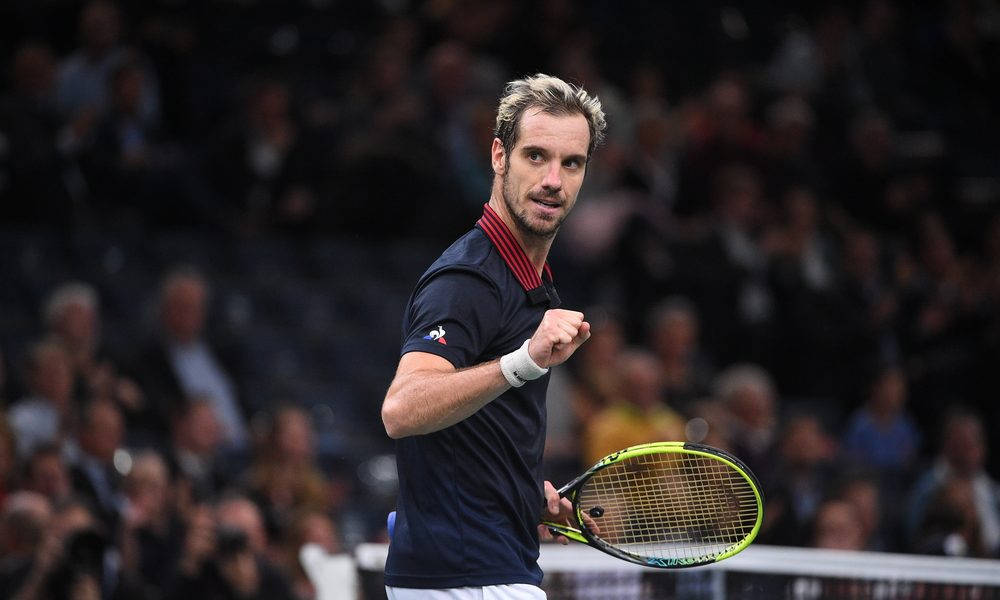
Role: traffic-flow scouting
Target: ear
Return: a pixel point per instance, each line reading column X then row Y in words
column 499, row 157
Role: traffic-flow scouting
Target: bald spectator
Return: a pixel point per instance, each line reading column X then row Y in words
column 182, row 362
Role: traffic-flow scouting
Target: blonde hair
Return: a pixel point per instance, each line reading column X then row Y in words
column 554, row 96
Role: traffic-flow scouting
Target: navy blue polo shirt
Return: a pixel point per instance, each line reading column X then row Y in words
column 470, row 495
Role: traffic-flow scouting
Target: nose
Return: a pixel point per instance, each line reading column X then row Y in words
column 552, row 180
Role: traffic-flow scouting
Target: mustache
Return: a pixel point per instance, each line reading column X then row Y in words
column 546, row 193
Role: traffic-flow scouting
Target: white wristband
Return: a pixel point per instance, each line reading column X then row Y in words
column 518, row 367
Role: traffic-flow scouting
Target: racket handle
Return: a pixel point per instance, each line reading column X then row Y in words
column 565, row 530
column 390, row 523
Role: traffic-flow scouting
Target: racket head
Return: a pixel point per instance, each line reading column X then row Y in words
column 668, row 505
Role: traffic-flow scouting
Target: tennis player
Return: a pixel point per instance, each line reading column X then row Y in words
column 482, row 328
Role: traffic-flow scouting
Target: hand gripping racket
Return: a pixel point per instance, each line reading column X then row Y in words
column 666, row 504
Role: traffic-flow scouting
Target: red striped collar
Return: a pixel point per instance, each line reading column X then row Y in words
column 511, row 251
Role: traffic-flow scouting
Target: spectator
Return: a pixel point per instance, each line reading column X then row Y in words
column 674, row 334
column 882, row 434
column 267, row 169
column 862, row 177
column 39, row 145
column 827, row 205
column 790, row 120
column 960, row 462
column 802, row 267
column 70, row 560
column 637, row 415
column 83, row 78
column 869, row 312
column 721, row 132
column 951, row 525
column 939, row 315
column 595, row 376
column 748, row 394
column 47, row 473
column 72, row 317
column 96, row 477
column 838, row 526
column 230, row 560
column 727, row 270
column 196, row 443
column 151, row 532
column 24, row 518
column 800, row 480
column 284, row 477
column 46, row 415
column 309, row 527
column 879, row 527
column 182, row 361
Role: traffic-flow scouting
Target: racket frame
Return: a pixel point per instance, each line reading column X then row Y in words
column 585, row 536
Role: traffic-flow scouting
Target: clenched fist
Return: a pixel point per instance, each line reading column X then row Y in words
column 558, row 336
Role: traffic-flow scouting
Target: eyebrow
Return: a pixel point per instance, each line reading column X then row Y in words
column 581, row 158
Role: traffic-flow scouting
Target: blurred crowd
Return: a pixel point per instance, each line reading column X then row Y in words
column 789, row 248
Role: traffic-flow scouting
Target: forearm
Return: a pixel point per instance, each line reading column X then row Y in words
column 426, row 400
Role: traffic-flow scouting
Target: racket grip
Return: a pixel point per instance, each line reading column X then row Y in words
column 390, row 523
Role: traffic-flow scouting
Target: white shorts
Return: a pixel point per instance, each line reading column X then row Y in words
column 514, row 591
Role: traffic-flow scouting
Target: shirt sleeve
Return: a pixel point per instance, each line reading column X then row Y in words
column 454, row 314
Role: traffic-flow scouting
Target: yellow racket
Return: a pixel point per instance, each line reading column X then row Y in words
column 665, row 504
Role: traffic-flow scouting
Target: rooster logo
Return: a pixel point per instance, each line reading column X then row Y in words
column 437, row 334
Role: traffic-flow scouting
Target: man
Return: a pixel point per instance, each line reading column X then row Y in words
column 226, row 556
column 45, row 415
column 94, row 476
column 467, row 404
column 182, row 362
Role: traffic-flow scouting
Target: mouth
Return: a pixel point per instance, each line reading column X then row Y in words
column 548, row 203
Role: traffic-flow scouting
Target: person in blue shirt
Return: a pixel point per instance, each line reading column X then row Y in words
column 480, row 332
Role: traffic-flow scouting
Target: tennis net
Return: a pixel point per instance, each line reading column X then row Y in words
column 759, row 573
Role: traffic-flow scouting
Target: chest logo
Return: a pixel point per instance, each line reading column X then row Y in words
column 437, row 335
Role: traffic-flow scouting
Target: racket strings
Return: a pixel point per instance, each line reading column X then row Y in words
column 671, row 506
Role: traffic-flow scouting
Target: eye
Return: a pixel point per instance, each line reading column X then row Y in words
column 573, row 163
column 534, row 156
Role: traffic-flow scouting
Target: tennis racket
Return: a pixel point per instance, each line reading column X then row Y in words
column 666, row 504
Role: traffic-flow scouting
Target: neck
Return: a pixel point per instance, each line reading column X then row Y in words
column 535, row 247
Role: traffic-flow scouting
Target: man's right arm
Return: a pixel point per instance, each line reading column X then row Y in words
column 428, row 393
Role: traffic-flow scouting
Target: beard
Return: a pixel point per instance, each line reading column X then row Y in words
column 541, row 229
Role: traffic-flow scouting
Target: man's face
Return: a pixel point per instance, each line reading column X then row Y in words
column 184, row 310
column 544, row 171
